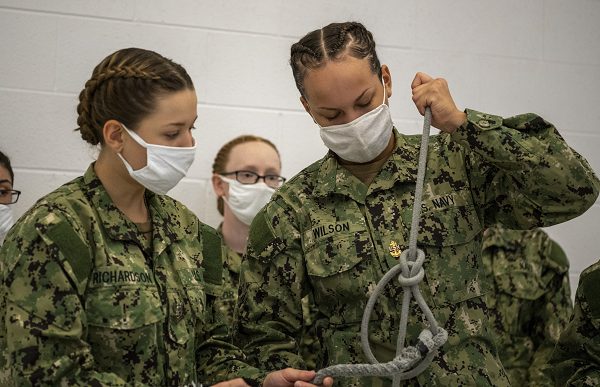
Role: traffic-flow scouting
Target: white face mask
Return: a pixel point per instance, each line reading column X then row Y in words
column 165, row 165
column 362, row 139
column 245, row 200
column 6, row 221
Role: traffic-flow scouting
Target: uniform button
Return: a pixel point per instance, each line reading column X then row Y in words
column 483, row 123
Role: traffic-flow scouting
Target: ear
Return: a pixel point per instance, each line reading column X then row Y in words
column 387, row 79
column 219, row 186
column 112, row 131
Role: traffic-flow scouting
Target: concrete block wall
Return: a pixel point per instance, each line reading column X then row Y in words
column 504, row 58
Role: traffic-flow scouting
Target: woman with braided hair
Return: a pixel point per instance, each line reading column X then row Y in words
column 338, row 226
column 106, row 280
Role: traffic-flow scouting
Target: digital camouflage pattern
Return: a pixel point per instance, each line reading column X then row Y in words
column 530, row 303
column 225, row 305
column 86, row 304
column 576, row 358
column 326, row 233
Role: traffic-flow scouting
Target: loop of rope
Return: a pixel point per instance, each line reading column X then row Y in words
column 412, row 360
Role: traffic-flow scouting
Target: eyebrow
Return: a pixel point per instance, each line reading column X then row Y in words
column 356, row 100
column 182, row 123
column 6, row 181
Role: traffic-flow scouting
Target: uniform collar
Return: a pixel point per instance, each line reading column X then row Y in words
column 119, row 227
column 401, row 167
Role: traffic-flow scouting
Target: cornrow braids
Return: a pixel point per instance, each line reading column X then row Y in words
column 124, row 87
column 330, row 43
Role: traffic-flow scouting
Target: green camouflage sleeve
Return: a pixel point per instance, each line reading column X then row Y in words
column 220, row 359
column 523, row 173
column 553, row 312
column 44, row 317
column 576, row 358
column 269, row 308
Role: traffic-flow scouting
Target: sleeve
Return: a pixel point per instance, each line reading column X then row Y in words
column 523, row 174
column 45, row 323
column 554, row 308
column 576, row 358
column 219, row 359
column 269, row 308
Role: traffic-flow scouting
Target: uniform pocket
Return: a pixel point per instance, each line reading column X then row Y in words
column 449, row 240
column 340, row 269
column 123, row 307
column 121, row 321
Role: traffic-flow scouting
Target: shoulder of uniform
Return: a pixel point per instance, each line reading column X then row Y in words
column 55, row 207
column 591, row 272
column 212, row 254
column 303, row 177
column 588, row 289
column 263, row 243
column 556, row 255
column 53, row 220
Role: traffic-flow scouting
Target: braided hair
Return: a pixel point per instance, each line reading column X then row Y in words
column 331, row 43
column 125, row 87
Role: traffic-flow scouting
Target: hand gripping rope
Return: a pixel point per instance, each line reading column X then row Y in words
column 409, row 361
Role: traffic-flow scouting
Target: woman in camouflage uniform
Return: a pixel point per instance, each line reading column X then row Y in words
column 330, row 229
column 247, row 159
column 107, row 281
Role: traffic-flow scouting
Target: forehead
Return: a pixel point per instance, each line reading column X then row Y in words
column 346, row 77
column 175, row 106
column 253, row 154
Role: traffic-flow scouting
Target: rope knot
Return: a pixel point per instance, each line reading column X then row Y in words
column 412, row 270
column 412, row 279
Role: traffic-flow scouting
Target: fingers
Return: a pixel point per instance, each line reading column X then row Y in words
column 292, row 375
column 419, row 79
column 428, row 94
column 232, row 383
column 327, row 382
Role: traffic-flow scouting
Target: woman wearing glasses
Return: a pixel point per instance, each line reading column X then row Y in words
column 246, row 172
column 7, row 196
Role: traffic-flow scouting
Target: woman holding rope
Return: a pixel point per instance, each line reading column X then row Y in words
column 338, row 226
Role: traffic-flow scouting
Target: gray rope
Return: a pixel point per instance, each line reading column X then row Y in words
column 412, row 360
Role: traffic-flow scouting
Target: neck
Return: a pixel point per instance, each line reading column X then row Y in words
column 235, row 233
column 126, row 193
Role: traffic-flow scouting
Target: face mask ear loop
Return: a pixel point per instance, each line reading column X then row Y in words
column 384, row 91
column 135, row 137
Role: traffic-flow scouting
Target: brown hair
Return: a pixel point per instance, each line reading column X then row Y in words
column 331, row 43
column 125, row 87
column 5, row 162
column 222, row 157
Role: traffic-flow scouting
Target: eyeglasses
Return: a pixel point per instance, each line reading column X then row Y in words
column 9, row 196
column 249, row 177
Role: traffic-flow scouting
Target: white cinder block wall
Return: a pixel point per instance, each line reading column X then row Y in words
column 502, row 57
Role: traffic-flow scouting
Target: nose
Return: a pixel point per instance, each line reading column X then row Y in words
column 353, row 114
column 188, row 140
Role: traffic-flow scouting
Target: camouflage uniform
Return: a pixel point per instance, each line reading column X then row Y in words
column 88, row 300
column 326, row 233
column 224, row 306
column 531, row 301
column 231, row 272
column 576, row 358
